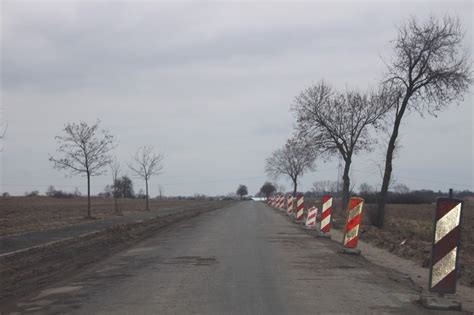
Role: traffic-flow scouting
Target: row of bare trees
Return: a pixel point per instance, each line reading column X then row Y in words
column 86, row 150
column 429, row 70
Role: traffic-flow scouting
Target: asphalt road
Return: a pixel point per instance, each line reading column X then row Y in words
column 243, row 259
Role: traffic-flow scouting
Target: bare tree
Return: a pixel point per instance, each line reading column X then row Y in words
column 365, row 188
column 325, row 187
column 115, row 169
column 279, row 188
column 85, row 150
column 145, row 164
column 267, row 189
column 334, row 123
column 401, row 189
column 242, row 191
column 293, row 160
column 429, row 70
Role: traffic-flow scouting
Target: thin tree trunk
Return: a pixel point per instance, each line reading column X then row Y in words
column 346, row 183
column 295, row 187
column 88, row 195
column 379, row 221
column 382, row 200
column 146, row 195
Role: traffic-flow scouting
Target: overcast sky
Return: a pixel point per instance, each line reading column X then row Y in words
column 210, row 85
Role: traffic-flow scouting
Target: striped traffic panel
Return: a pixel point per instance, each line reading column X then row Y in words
column 353, row 221
column 282, row 203
column 289, row 205
column 311, row 217
column 325, row 226
column 445, row 248
column 299, row 208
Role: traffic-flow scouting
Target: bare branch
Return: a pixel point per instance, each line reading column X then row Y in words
column 83, row 150
column 332, row 122
column 293, row 160
column 430, row 69
column 146, row 163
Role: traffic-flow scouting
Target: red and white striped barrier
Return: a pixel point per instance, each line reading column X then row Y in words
column 353, row 221
column 325, row 225
column 311, row 218
column 289, row 205
column 282, row 203
column 445, row 248
column 299, row 208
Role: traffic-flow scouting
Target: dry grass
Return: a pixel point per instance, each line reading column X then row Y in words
column 23, row 214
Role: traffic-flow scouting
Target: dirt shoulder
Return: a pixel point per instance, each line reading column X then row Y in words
column 27, row 271
column 408, row 233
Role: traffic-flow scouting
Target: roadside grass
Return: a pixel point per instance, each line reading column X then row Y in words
column 25, row 214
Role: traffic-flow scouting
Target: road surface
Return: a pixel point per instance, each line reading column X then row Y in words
column 243, row 259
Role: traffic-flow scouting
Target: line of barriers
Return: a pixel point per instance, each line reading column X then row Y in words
column 444, row 263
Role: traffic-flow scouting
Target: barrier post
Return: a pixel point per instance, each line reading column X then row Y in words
column 282, row 202
column 289, row 205
column 352, row 227
column 444, row 265
column 311, row 218
column 325, row 221
column 299, row 208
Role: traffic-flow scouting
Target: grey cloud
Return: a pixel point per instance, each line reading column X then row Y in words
column 210, row 84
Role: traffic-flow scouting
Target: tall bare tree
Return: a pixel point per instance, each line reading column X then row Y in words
column 429, row 70
column 334, row 123
column 145, row 164
column 293, row 160
column 84, row 150
column 115, row 169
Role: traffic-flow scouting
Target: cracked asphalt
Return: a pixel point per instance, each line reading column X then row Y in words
column 243, row 259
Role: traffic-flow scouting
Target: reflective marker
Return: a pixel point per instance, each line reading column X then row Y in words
column 311, row 218
column 289, row 207
column 299, row 208
column 325, row 226
column 445, row 248
column 353, row 221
